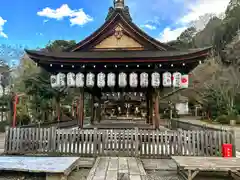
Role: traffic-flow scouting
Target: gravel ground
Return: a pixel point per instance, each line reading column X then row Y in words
column 172, row 175
column 21, row 176
column 80, row 174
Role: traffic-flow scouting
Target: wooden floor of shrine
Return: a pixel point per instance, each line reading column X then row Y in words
column 121, row 124
column 113, row 123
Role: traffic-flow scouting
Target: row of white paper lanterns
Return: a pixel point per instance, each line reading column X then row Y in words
column 78, row 80
column 4, row 91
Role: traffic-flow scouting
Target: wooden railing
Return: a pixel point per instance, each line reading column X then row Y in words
column 132, row 142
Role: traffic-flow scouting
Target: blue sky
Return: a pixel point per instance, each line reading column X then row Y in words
column 33, row 23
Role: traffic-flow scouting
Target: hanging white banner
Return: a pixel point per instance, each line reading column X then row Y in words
column 101, row 82
column 167, row 79
column 155, row 80
column 133, row 80
column 185, row 81
column 111, row 79
column 80, row 80
column 53, row 81
column 71, row 81
column 144, row 79
column 176, row 79
column 61, row 79
column 90, row 80
column 122, row 80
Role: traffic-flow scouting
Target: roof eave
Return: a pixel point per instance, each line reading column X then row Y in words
column 68, row 57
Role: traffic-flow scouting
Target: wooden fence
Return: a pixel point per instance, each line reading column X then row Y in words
column 132, row 142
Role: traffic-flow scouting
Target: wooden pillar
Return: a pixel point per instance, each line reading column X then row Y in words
column 98, row 110
column 156, row 110
column 151, row 107
column 92, row 109
column 147, row 108
column 81, row 108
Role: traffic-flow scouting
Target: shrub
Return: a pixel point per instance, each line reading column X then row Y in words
column 23, row 119
column 3, row 124
column 223, row 119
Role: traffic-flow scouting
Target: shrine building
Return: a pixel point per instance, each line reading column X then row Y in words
column 122, row 67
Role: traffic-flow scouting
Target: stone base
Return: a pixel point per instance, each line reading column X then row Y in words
column 56, row 177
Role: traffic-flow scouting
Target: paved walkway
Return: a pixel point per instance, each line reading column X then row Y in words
column 114, row 168
column 198, row 122
column 2, row 141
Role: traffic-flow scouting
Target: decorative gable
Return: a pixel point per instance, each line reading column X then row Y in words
column 119, row 40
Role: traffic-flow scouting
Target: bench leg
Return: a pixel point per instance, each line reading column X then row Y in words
column 234, row 174
column 191, row 174
column 178, row 170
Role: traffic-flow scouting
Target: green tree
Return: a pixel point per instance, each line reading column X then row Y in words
column 60, row 45
column 229, row 27
column 44, row 102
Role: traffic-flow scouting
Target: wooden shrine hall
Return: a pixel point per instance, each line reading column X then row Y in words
column 120, row 60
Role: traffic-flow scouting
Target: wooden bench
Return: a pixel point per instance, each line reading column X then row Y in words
column 54, row 167
column 189, row 166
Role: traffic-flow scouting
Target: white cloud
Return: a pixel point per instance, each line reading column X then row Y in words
column 76, row 17
column 39, row 34
column 202, row 7
column 196, row 13
column 149, row 26
column 80, row 18
column 45, row 21
column 152, row 24
column 169, row 34
column 2, row 22
column 155, row 20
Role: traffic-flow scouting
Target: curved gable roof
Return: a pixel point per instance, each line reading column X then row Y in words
column 119, row 16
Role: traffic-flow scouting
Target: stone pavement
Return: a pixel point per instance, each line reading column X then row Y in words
column 217, row 126
column 2, row 139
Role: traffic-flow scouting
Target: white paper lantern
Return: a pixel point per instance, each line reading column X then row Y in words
column 184, row 81
column 61, row 79
column 111, row 79
column 53, row 81
column 101, row 80
column 7, row 90
column 90, row 80
column 122, row 80
column 133, row 80
column 144, row 79
column 155, row 80
column 80, row 81
column 167, row 79
column 1, row 90
column 176, row 79
column 71, row 81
